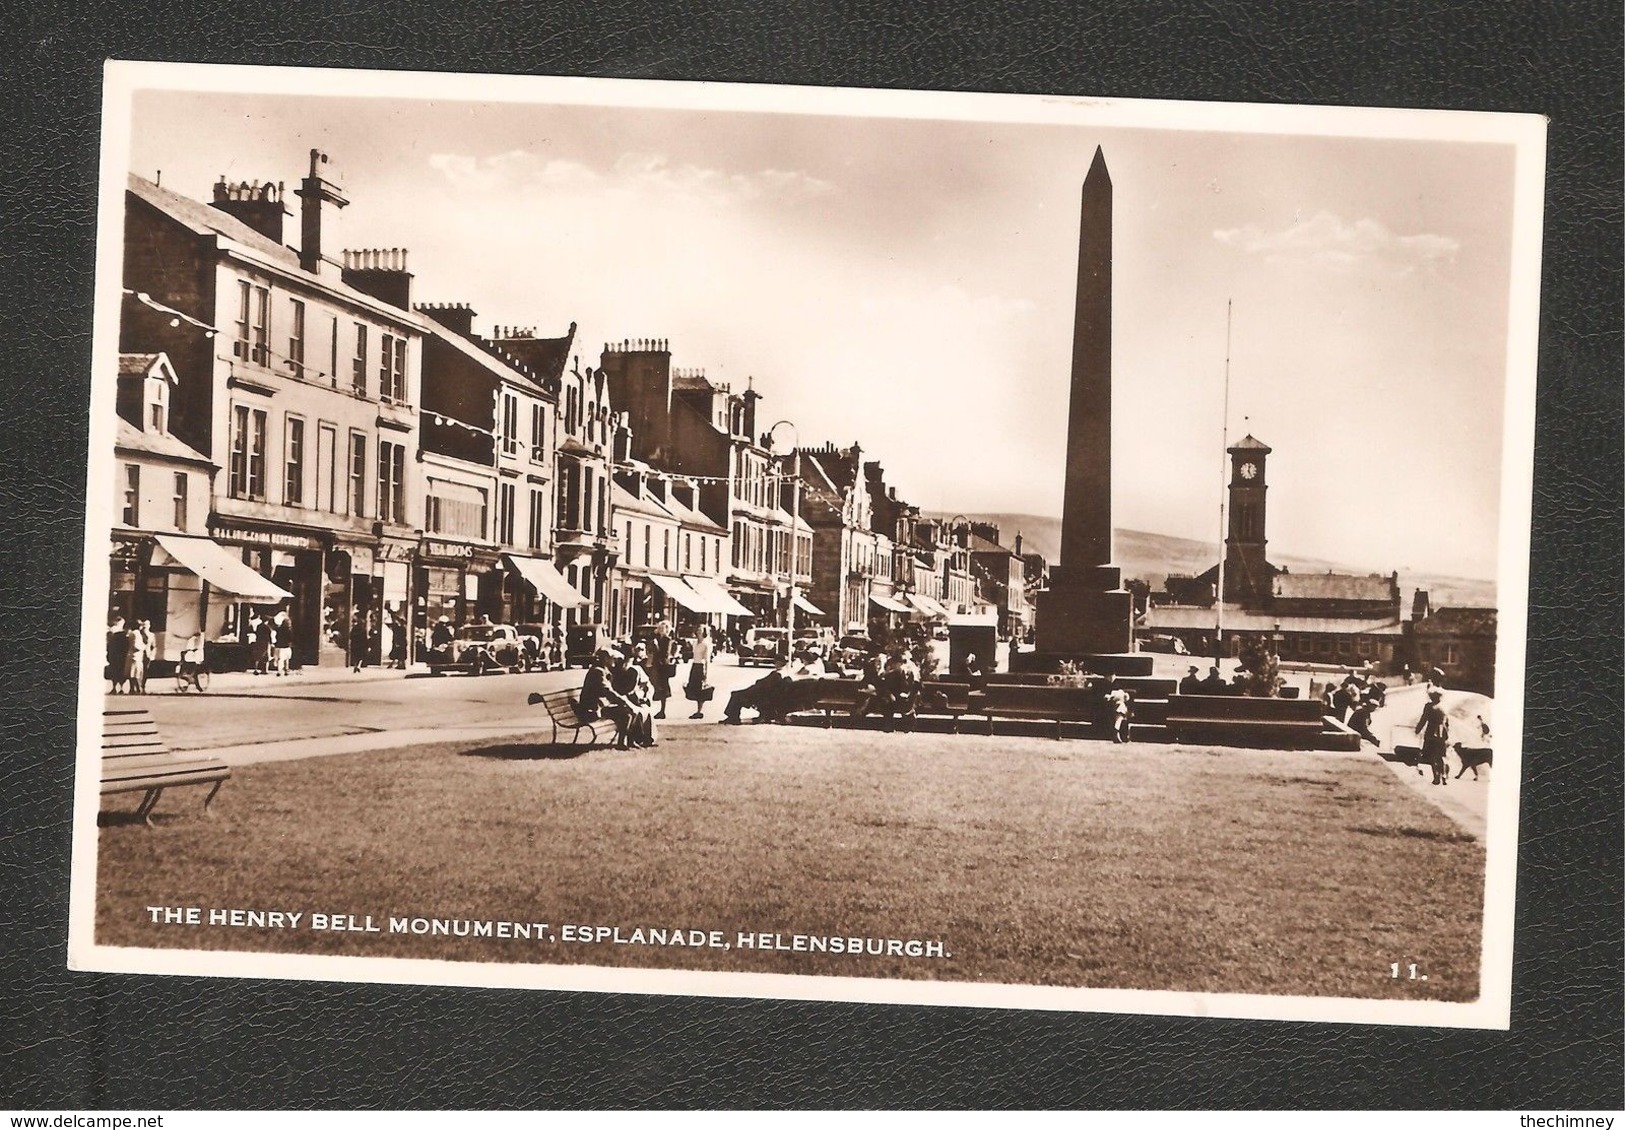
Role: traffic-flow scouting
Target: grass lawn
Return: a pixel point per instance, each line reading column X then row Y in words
column 1031, row 861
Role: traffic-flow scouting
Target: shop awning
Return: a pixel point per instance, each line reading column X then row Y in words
column 887, row 604
column 222, row 568
column 807, row 606
column 681, row 593
column 716, row 598
column 926, row 604
column 546, row 580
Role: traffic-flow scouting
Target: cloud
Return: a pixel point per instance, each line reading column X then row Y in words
column 1331, row 241
column 640, row 174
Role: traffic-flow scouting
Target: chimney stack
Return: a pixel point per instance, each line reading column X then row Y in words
column 260, row 206
column 381, row 272
column 315, row 192
column 458, row 317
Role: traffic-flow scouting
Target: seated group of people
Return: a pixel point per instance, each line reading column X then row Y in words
column 620, row 689
column 1213, row 683
column 889, row 687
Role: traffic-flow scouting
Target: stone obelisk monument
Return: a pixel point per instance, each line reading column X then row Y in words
column 1086, row 615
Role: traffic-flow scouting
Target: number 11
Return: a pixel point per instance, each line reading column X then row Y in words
column 1393, row 968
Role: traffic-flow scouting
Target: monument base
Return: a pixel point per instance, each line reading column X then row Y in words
column 1072, row 619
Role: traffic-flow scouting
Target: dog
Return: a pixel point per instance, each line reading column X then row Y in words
column 1416, row 757
column 1472, row 759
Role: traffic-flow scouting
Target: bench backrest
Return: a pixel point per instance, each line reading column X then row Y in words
column 561, row 705
column 1069, row 699
column 1245, row 709
column 130, row 732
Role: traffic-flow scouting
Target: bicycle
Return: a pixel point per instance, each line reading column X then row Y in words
column 191, row 673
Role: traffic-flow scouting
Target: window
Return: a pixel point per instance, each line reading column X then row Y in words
column 180, row 501
column 454, row 508
column 688, row 551
column 262, row 326
column 538, row 433
column 510, row 424
column 293, row 486
column 392, row 368
column 132, row 495
column 569, row 505
column 296, row 339
column 245, row 306
column 571, row 398
column 358, row 474
column 358, row 366
column 586, row 495
column 391, row 482
column 537, row 530
column 665, row 549
column 247, row 472
column 648, row 535
column 158, row 404
column 1452, row 654
column 327, row 455
column 505, row 508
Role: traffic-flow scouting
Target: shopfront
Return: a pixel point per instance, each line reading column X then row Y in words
column 291, row 558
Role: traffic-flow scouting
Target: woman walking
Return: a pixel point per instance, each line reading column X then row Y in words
column 698, row 691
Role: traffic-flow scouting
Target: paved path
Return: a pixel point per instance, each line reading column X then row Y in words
column 1464, row 800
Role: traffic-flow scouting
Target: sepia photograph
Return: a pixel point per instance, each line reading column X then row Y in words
column 750, row 541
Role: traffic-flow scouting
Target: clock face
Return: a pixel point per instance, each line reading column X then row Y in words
column 1249, row 470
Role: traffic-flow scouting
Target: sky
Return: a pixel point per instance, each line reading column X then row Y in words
column 908, row 284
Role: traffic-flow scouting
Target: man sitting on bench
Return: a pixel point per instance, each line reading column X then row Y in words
column 898, row 692
column 777, row 693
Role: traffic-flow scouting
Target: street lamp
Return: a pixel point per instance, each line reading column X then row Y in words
column 795, row 519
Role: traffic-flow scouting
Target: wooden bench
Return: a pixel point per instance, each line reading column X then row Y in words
column 1255, row 718
column 936, row 697
column 561, row 710
column 135, row 759
column 1038, row 703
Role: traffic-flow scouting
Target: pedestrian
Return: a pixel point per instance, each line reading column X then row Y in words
column 974, row 675
column 282, row 641
column 1214, row 682
column 1434, row 726
column 1117, row 706
column 118, row 646
column 259, row 642
column 143, row 646
column 661, row 668
column 699, row 690
column 440, row 636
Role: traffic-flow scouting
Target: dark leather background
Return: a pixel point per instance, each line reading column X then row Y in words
column 83, row 1041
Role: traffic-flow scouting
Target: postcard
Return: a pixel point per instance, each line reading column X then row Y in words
column 743, row 541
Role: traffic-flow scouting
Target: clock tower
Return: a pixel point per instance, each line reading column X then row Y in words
column 1247, row 575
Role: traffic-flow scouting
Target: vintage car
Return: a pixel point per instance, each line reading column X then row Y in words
column 546, row 646
column 582, row 642
column 814, row 641
column 852, row 651
column 766, row 646
column 481, row 648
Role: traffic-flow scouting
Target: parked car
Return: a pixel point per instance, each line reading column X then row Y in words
column 1168, row 645
column 481, row 648
column 543, row 642
column 852, row 651
column 816, row 641
column 766, row 646
column 582, row 642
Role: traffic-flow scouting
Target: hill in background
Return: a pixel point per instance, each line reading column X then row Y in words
column 1152, row 557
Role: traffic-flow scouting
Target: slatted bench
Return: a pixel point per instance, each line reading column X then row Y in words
column 135, row 759
column 937, row 697
column 561, row 710
column 1298, row 722
column 1038, row 703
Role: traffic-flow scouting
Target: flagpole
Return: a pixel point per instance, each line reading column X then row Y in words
column 1224, row 490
